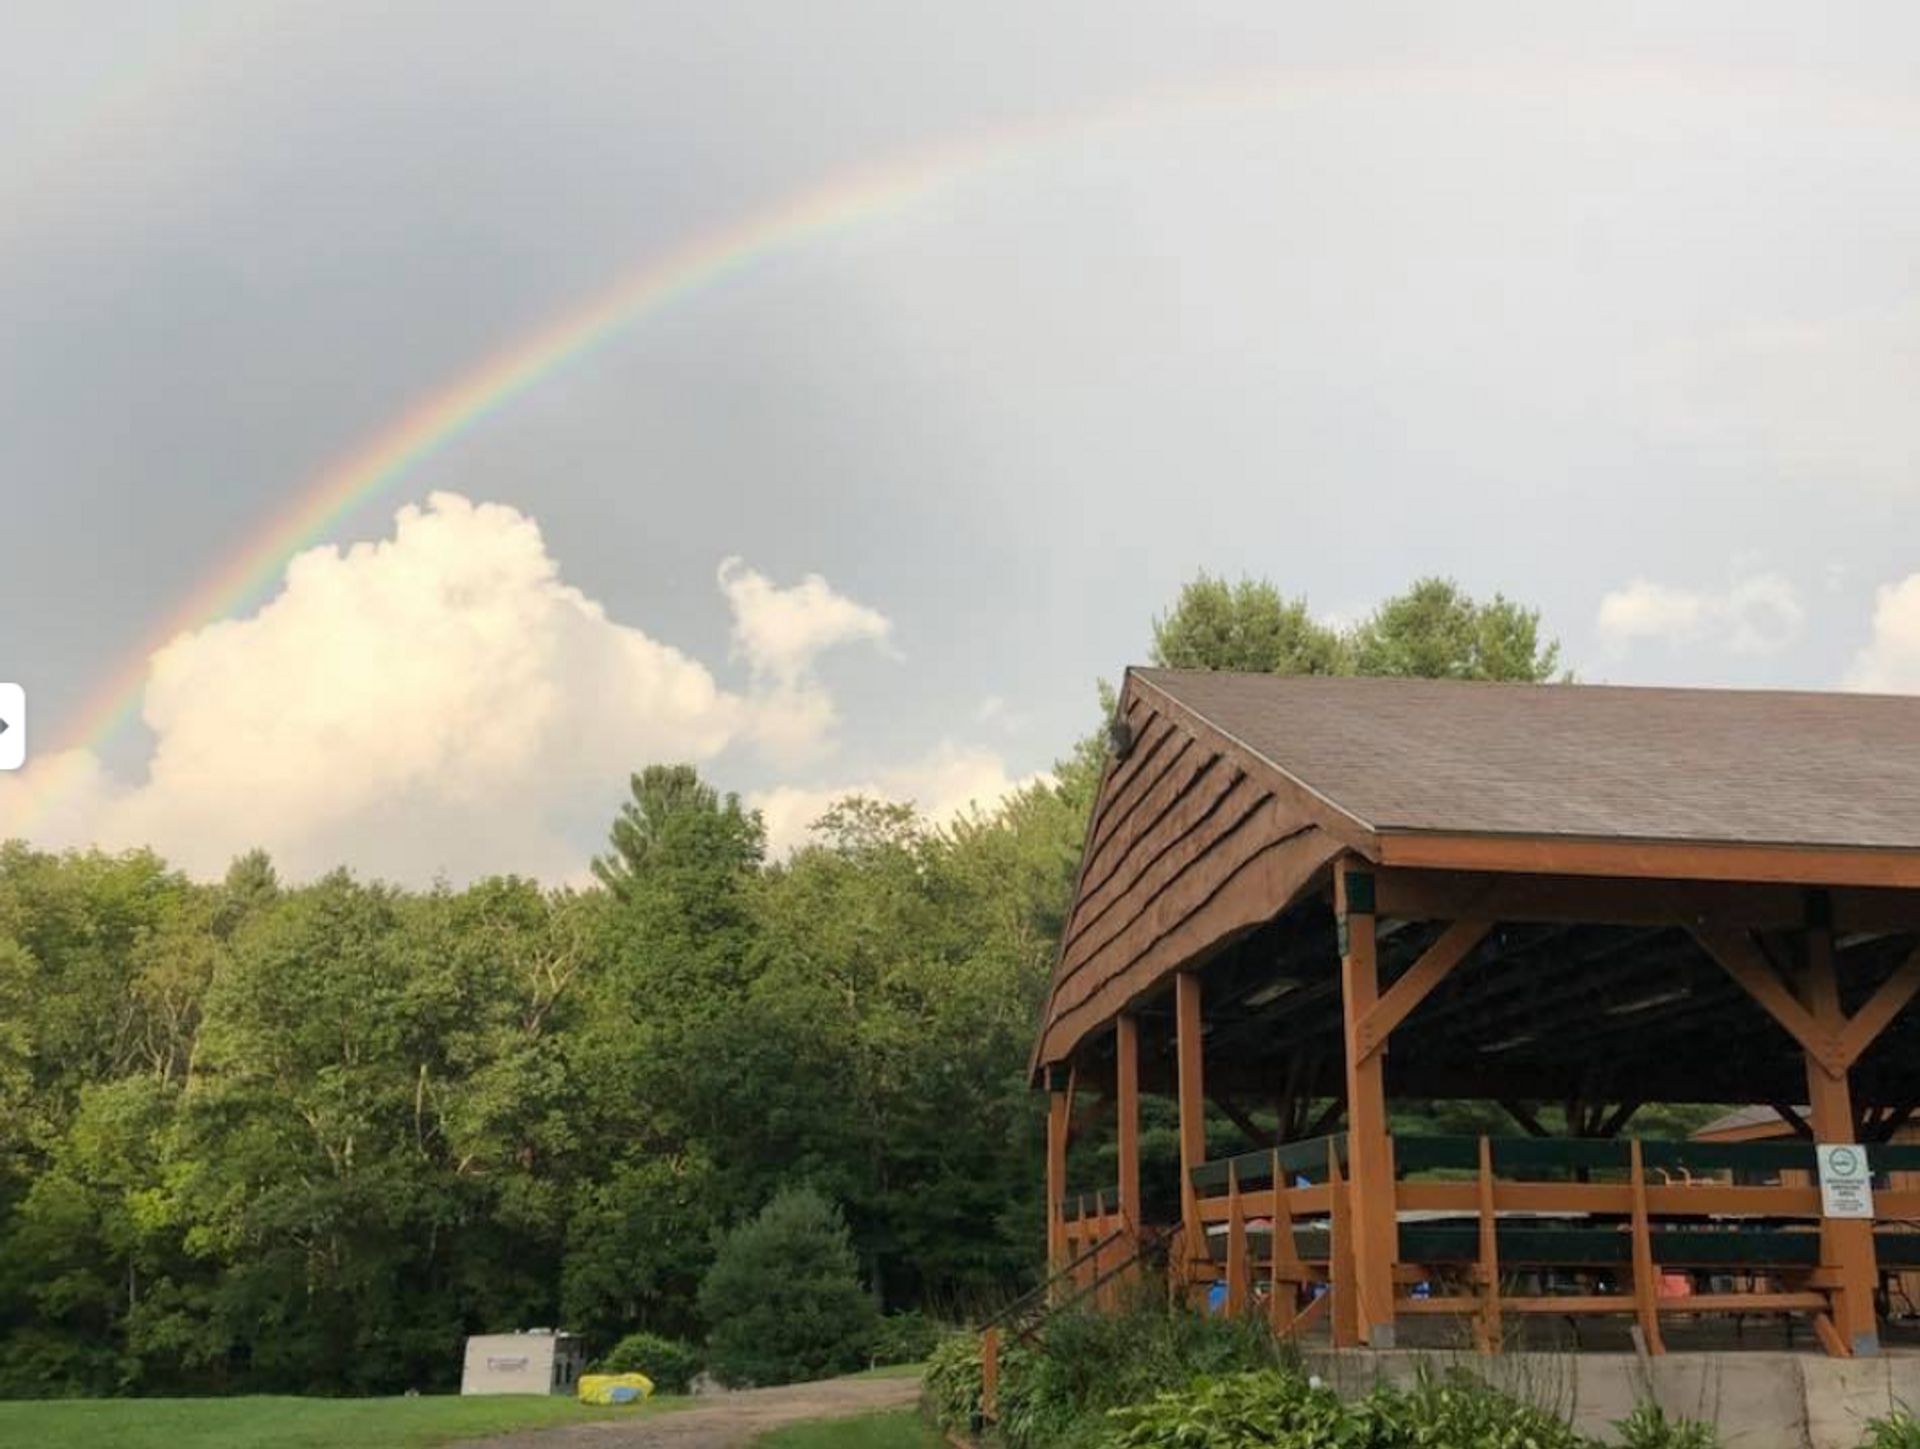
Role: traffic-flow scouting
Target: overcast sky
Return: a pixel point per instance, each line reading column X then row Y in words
column 1614, row 311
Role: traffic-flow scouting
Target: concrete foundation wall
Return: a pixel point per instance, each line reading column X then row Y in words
column 1759, row 1400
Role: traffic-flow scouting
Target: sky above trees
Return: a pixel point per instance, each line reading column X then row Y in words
column 1611, row 314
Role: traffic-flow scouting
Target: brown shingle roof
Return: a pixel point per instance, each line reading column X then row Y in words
column 1589, row 761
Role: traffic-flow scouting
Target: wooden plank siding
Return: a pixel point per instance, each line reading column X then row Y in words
column 1186, row 851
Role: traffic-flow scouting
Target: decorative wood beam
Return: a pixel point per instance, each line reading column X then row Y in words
column 1325, row 1122
column 1447, row 895
column 1889, row 1126
column 1791, row 1116
column 1523, row 1114
column 1863, row 1028
column 1741, row 958
column 1455, row 944
column 1675, row 860
column 1619, row 1118
column 1241, row 1118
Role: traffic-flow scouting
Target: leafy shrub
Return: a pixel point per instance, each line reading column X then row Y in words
column 1458, row 1409
column 668, row 1362
column 1056, row 1395
column 783, row 1297
column 1267, row 1408
column 1274, row 1408
column 1648, row 1427
column 1898, row 1430
column 905, row 1338
column 950, row 1387
column 1093, row 1361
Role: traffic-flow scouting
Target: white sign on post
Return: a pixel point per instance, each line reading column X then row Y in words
column 1846, row 1182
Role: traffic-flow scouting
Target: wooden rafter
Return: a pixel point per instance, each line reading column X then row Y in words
column 1523, row 1114
column 1617, row 1120
column 1740, row 954
column 1455, row 944
column 1791, row 1116
column 1324, row 1123
column 1895, row 1118
column 1256, row 1135
column 1863, row 1028
column 1741, row 957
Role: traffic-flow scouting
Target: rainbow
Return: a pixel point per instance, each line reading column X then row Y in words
column 445, row 416
column 846, row 201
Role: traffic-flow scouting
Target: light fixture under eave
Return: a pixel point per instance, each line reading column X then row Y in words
column 1859, row 938
column 1649, row 1001
column 1273, row 990
column 1507, row 1044
column 1119, row 737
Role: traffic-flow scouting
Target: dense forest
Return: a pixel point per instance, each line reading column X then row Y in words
column 257, row 1135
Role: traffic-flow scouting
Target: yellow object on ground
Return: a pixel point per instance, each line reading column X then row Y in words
column 615, row 1388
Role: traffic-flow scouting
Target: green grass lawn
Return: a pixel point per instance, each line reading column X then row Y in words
column 288, row 1423
column 901, row 1429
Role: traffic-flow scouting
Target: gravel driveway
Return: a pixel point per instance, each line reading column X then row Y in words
column 724, row 1421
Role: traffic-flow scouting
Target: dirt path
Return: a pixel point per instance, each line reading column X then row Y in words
column 724, row 1421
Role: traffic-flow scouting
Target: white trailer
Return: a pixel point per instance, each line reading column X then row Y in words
column 537, row 1362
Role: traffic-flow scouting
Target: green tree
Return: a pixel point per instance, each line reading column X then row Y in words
column 1436, row 630
column 672, row 814
column 783, row 1298
column 1247, row 626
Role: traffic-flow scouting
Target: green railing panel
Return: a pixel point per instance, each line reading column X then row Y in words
column 1894, row 1157
column 1521, row 1157
column 1706, row 1157
column 1898, row 1250
column 1436, row 1154
column 1306, row 1159
column 1525, row 1246
column 1557, row 1154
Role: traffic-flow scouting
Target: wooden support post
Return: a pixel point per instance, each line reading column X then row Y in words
column 990, row 1374
column 1083, row 1275
column 1284, row 1274
column 1103, row 1254
column 1846, row 1245
column 1489, row 1330
column 1370, row 1148
column 1646, row 1277
column 1126, row 1046
column 1057, row 1108
column 1189, row 1050
column 1238, row 1278
column 1340, row 1276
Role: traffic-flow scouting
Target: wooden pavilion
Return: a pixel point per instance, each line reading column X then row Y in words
column 1305, row 900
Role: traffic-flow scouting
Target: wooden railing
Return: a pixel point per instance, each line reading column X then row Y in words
column 1098, row 1241
column 1095, row 1268
column 1476, row 1215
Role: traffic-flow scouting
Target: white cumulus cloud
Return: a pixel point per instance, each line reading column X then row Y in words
column 1757, row 613
column 438, row 702
column 781, row 633
column 948, row 782
column 1890, row 663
